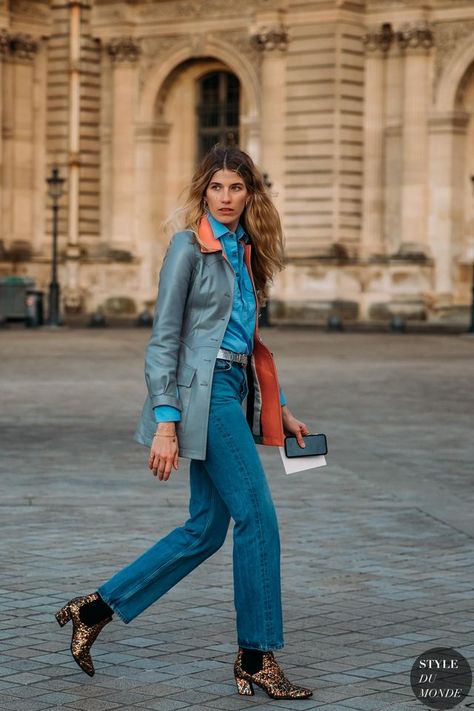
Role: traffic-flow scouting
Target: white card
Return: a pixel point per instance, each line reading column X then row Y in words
column 299, row 464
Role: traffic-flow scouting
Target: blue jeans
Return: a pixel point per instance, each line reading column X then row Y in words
column 229, row 483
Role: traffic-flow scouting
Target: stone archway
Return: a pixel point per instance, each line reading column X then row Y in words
column 448, row 127
column 166, row 135
column 238, row 63
column 452, row 75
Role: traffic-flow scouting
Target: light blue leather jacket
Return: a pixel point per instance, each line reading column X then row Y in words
column 192, row 311
column 191, row 314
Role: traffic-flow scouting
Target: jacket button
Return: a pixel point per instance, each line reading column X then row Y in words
column 203, row 383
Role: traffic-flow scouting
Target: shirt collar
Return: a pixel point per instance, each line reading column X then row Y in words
column 221, row 230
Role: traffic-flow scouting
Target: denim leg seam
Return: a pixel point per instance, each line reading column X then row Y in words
column 180, row 553
column 236, row 452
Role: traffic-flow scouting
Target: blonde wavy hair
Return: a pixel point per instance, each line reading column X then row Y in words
column 260, row 218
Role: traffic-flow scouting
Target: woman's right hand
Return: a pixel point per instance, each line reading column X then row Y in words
column 164, row 451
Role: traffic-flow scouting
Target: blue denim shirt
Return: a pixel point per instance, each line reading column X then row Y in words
column 238, row 336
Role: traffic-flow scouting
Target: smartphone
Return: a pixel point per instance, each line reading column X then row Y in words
column 316, row 444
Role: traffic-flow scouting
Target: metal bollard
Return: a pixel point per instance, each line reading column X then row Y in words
column 145, row 320
column 334, row 323
column 397, row 324
column 97, row 320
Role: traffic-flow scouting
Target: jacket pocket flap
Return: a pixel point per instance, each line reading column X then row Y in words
column 185, row 374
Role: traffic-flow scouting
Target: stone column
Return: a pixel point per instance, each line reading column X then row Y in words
column 250, row 127
column 447, row 148
column 152, row 143
column 272, row 40
column 72, row 296
column 416, row 40
column 377, row 42
column 4, row 44
column 18, row 134
column 392, row 148
column 40, row 213
column 124, row 53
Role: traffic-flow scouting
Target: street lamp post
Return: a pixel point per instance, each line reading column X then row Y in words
column 55, row 191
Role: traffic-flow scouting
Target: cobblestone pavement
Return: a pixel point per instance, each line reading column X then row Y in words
column 377, row 554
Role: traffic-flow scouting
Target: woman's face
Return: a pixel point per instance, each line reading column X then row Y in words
column 226, row 195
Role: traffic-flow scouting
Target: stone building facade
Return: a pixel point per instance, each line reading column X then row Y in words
column 360, row 112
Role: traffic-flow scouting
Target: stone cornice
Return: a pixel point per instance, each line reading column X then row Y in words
column 123, row 49
column 269, row 39
column 415, row 35
column 409, row 36
column 379, row 38
column 449, row 122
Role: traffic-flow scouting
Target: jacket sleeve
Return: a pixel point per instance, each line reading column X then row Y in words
column 161, row 358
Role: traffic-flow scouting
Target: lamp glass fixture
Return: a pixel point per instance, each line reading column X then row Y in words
column 55, row 183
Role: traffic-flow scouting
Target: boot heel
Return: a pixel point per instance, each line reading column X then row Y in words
column 63, row 615
column 244, row 687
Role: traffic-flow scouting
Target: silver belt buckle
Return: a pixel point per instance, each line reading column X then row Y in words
column 240, row 358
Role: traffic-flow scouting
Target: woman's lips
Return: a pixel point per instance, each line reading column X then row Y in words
column 225, row 209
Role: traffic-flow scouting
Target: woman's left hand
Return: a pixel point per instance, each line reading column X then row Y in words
column 293, row 427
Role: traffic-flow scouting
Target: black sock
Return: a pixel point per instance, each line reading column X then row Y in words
column 252, row 660
column 93, row 612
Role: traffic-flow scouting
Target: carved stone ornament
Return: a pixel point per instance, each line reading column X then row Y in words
column 415, row 35
column 240, row 41
column 189, row 9
column 123, row 49
column 379, row 38
column 153, row 49
column 269, row 39
column 448, row 37
column 23, row 46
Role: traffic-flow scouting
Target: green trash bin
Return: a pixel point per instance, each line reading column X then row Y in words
column 13, row 297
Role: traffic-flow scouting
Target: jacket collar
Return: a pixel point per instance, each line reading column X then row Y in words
column 206, row 235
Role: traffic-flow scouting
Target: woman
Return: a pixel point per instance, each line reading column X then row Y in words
column 203, row 359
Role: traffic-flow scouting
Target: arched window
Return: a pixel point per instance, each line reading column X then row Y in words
column 218, row 111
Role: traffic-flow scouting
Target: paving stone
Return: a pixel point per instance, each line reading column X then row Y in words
column 163, row 705
column 24, row 705
column 377, row 553
column 26, row 678
column 58, row 697
column 92, row 705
